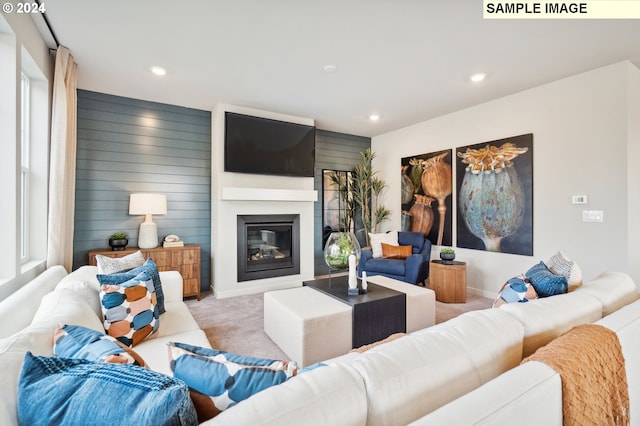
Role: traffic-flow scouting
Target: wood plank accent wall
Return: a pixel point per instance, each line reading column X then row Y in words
column 335, row 151
column 128, row 145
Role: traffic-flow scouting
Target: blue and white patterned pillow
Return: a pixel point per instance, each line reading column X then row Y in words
column 148, row 266
column 226, row 378
column 130, row 309
column 517, row 289
column 74, row 341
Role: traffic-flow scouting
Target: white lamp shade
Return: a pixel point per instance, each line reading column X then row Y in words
column 140, row 204
column 148, row 204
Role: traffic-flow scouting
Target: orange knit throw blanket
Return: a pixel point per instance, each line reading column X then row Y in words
column 594, row 381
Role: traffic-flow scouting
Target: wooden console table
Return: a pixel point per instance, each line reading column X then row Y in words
column 185, row 260
column 377, row 314
column 449, row 281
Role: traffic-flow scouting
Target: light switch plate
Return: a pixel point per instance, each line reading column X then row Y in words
column 579, row 199
column 592, row 216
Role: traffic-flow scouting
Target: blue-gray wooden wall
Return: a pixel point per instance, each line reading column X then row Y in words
column 334, row 151
column 127, row 145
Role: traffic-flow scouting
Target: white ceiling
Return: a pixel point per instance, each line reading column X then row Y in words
column 408, row 60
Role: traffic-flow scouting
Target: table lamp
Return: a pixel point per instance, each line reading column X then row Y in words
column 148, row 204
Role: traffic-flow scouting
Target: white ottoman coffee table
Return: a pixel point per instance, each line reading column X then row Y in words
column 307, row 325
column 421, row 302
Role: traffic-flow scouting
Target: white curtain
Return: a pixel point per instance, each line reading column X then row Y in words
column 62, row 169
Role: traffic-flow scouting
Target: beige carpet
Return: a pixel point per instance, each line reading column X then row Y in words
column 235, row 324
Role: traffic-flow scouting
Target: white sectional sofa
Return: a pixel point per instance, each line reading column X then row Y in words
column 28, row 319
column 465, row 371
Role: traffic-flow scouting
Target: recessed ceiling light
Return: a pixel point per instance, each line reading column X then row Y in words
column 374, row 117
column 158, row 71
column 330, row 68
column 478, row 77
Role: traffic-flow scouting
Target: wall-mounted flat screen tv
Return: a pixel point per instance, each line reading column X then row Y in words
column 268, row 147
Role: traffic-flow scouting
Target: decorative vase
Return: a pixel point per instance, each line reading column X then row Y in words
column 117, row 245
column 339, row 246
column 447, row 258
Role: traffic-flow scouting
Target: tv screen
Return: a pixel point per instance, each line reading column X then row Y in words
column 269, row 147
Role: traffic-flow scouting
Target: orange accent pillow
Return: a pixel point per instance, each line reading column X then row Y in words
column 395, row 252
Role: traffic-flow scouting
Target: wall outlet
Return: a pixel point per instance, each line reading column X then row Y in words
column 592, row 216
column 579, row 199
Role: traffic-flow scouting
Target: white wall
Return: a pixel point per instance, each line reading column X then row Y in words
column 581, row 142
column 247, row 194
column 633, row 154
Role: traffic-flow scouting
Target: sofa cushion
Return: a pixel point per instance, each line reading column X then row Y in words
column 83, row 289
column 395, row 252
column 332, row 395
column 491, row 338
column 58, row 306
column 12, row 351
column 626, row 323
column 528, row 395
column 150, row 267
column 109, row 265
column 613, row 289
column 376, row 241
column 66, row 391
column 433, row 369
column 154, row 350
column 225, row 377
column 130, row 310
column 17, row 310
column 546, row 282
column 547, row 318
column 72, row 341
column 63, row 306
column 388, row 266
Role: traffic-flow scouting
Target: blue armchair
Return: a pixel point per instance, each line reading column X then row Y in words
column 414, row 269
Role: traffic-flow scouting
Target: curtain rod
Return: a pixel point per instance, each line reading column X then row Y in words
column 53, row 34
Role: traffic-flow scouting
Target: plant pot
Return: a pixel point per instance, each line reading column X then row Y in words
column 117, row 245
column 447, row 258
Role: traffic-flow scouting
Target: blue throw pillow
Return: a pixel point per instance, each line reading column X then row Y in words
column 150, row 267
column 226, row 378
column 546, row 282
column 61, row 391
column 74, row 341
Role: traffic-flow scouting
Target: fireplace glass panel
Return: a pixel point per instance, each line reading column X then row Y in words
column 268, row 246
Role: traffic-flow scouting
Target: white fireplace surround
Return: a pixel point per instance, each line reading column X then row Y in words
column 236, row 194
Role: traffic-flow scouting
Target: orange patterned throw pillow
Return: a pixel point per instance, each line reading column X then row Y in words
column 395, row 252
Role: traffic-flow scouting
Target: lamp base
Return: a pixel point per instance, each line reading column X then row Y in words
column 148, row 235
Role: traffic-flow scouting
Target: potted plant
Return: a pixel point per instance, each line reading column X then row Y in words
column 366, row 187
column 118, row 241
column 447, row 254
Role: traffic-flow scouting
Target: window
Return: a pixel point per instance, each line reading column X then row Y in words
column 31, row 215
column 24, row 175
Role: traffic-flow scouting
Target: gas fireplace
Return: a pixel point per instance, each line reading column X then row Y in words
column 268, row 246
